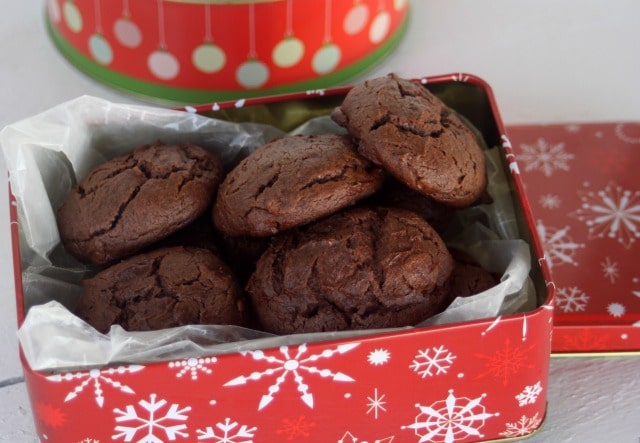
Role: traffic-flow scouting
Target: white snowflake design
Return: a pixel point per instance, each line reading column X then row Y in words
column 522, row 427
column 98, row 377
column 550, row 201
column 545, row 157
column 151, row 421
column 228, row 432
column 558, row 246
column 353, row 439
column 610, row 270
column 529, row 394
column 460, row 77
column 506, row 143
column 193, row 366
column 294, row 365
column 620, row 133
column 378, row 357
column 616, row 310
column 613, row 212
column 449, row 420
column 427, row 364
column 571, row 299
column 376, row 403
column 319, row 92
column 572, row 128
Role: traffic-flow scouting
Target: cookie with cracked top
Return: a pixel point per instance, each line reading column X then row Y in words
column 468, row 277
column 397, row 195
column 412, row 134
column 292, row 181
column 134, row 200
column 358, row 269
column 163, row 288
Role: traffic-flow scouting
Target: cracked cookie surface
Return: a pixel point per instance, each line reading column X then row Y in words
column 292, row 181
column 160, row 289
column 415, row 137
column 132, row 201
column 358, row 269
column 468, row 277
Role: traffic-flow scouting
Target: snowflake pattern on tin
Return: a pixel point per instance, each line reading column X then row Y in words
column 635, row 281
column 378, row 357
column 432, row 361
column 610, row 269
column 376, row 403
column 559, row 247
column 319, row 92
column 227, row 432
column 193, row 366
column 522, row 427
column 506, row 143
column 586, row 340
column 616, row 310
column 613, row 212
column 624, row 131
column 545, row 157
column 571, row 299
column 294, row 428
column 460, row 77
column 98, row 377
column 550, row 201
column 506, row 362
column 573, row 128
column 50, row 415
column 529, row 394
column 348, row 437
column 449, row 420
column 294, row 365
column 153, row 421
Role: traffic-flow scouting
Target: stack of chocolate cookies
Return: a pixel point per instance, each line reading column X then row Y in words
column 314, row 233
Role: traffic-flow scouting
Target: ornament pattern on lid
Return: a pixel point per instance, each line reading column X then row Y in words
column 166, row 47
column 162, row 64
column 126, row 31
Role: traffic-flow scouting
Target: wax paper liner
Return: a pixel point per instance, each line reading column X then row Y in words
column 46, row 154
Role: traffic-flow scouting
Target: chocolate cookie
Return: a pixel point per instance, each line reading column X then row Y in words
column 407, row 130
column 292, row 181
column 468, row 277
column 395, row 194
column 132, row 201
column 357, row 269
column 161, row 289
column 242, row 254
column 200, row 233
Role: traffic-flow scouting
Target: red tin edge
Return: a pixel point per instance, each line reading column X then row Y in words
column 536, row 322
column 15, row 253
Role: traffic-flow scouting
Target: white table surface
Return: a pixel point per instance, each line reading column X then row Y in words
column 546, row 60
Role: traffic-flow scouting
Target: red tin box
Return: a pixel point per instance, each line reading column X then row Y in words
column 585, row 195
column 468, row 381
column 199, row 51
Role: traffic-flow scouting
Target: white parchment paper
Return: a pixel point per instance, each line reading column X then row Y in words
column 48, row 153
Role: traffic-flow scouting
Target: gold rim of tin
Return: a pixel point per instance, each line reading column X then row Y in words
column 569, row 354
